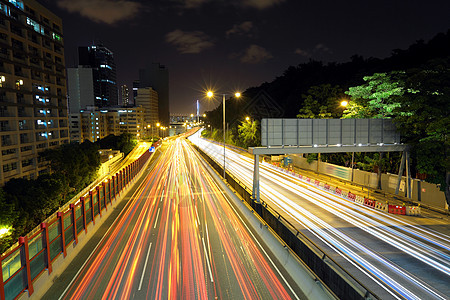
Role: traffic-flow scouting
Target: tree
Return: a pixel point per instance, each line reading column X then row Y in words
column 8, row 217
column 424, row 120
column 322, row 102
column 375, row 98
column 419, row 101
column 124, row 142
column 76, row 163
column 249, row 133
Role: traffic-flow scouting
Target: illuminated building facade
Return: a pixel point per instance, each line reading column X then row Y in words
column 33, row 101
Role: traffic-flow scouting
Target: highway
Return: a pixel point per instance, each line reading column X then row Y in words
column 179, row 237
column 394, row 256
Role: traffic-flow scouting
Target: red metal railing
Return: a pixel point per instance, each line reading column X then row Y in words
column 36, row 252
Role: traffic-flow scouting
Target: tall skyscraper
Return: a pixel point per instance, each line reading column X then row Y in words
column 101, row 60
column 156, row 76
column 33, row 103
column 80, row 87
column 125, row 95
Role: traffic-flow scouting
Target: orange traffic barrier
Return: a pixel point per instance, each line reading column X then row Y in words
column 397, row 209
column 351, row 196
column 369, row 202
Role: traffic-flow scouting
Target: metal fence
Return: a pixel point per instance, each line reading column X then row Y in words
column 36, row 252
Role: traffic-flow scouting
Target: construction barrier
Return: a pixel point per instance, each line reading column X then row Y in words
column 317, row 182
column 370, row 203
column 359, row 199
column 413, row 210
column 351, row 196
column 381, row 206
column 397, row 209
column 308, row 179
column 326, row 186
column 338, row 191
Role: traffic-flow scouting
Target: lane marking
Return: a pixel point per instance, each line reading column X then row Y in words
column 156, row 219
column 145, row 266
column 207, row 260
column 254, row 238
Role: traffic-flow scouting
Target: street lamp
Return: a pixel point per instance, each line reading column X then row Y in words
column 210, row 94
column 344, row 103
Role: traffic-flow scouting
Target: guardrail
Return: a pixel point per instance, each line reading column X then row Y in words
column 35, row 253
column 336, row 278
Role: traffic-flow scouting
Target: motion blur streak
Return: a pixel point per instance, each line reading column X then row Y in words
column 388, row 250
column 197, row 247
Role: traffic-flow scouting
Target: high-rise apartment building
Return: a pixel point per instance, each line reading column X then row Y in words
column 156, row 76
column 147, row 98
column 101, row 60
column 33, row 103
column 125, row 92
column 94, row 124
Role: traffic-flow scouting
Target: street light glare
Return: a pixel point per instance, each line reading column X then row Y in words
column 344, row 103
column 237, row 94
column 247, row 118
column 209, row 94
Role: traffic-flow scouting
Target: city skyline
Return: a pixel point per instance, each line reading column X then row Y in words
column 239, row 44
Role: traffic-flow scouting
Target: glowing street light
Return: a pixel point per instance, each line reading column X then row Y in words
column 344, row 103
column 210, row 94
column 4, row 231
column 247, row 119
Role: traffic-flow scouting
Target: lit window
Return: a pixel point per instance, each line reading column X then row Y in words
column 56, row 36
column 17, row 3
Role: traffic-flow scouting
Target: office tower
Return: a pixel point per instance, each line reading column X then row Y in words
column 101, row 60
column 33, row 103
column 147, row 98
column 125, row 95
column 80, row 87
column 135, row 88
column 157, row 77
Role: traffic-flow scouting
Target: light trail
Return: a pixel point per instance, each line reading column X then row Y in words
column 426, row 246
column 179, row 238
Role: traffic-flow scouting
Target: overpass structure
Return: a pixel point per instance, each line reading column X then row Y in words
column 297, row 136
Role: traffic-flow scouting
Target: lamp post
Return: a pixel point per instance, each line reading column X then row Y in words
column 344, row 104
column 210, row 94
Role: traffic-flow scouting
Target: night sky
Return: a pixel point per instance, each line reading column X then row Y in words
column 235, row 44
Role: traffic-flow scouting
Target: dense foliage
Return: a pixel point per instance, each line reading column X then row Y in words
column 72, row 168
column 411, row 86
column 124, row 142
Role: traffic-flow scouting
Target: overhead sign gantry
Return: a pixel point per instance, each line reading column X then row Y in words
column 295, row 136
